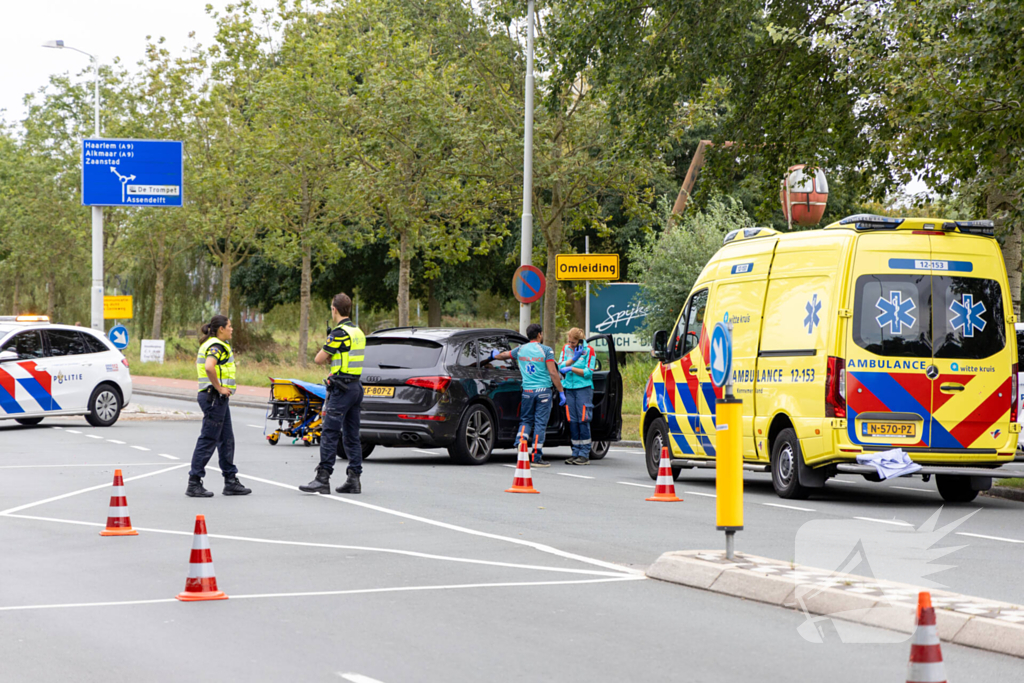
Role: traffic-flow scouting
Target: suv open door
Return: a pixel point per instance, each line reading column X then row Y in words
column 607, row 424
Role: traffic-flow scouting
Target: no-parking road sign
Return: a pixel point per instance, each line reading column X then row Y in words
column 528, row 284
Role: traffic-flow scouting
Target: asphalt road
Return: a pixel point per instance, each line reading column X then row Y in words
column 434, row 573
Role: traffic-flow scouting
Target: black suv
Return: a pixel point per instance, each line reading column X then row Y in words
column 432, row 387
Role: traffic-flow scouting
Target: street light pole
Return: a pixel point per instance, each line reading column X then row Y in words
column 526, row 235
column 96, row 292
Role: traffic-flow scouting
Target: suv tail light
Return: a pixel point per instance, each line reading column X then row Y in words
column 835, row 388
column 436, row 383
column 1014, row 395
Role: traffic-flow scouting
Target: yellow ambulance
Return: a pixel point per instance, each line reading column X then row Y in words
column 871, row 334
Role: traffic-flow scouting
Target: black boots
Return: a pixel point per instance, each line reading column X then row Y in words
column 322, row 483
column 195, row 489
column 233, row 487
column 351, row 484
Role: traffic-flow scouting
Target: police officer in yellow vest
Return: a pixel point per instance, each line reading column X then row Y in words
column 215, row 366
column 344, row 350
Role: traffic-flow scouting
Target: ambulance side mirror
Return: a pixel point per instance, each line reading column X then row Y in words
column 8, row 356
column 659, row 344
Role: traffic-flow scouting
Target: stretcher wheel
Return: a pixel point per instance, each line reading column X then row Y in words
column 273, row 439
column 307, row 442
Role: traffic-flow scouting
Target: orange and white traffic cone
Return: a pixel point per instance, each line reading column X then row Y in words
column 118, row 521
column 201, row 583
column 665, row 491
column 523, row 482
column 925, row 653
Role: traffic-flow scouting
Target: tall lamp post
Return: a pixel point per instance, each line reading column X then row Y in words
column 97, row 211
column 526, row 235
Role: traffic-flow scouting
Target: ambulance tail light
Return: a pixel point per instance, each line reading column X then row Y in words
column 835, row 388
column 1014, row 395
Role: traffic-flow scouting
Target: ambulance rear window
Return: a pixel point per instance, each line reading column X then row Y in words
column 891, row 315
column 968, row 317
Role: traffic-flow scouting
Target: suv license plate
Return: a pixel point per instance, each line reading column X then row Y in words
column 902, row 430
column 380, row 392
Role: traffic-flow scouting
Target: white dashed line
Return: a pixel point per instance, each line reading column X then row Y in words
column 72, row 431
column 255, row 426
column 911, row 488
column 848, row 483
column 578, row 476
column 121, row 443
column 140, row 448
column 358, row 678
column 884, row 521
column 991, row 538
column 512, row 466
column 787, row 507
column 169, row 457
column 629, row 483
column 698, row 493
column 93, row 436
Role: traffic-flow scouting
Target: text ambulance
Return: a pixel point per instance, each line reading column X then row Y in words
column 872, row 334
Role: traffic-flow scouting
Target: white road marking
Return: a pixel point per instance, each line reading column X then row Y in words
column 255, row 426
column 698, row 493
column 92, row 436
column 629, row 483
column 787, row 507
column 420, row 450
column 578, row 476
column 116, row 464
column 465, row 530
column 72, row 431
column 911, row 488
column 140, row 448
column 991, row 538
column 358, row 678
column 56, row 427
column 361, row 591
column 169, row 457
column 120, row 443
column 335, row 546
column 86, row 490
column 884, row 521
column 843, row 481
column 512, row 466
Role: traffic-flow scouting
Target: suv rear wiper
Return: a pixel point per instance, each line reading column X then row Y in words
column 391, row 367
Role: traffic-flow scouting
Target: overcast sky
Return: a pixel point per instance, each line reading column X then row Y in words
column 106, row 28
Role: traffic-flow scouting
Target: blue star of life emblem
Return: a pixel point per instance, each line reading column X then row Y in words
column 530, row 368
column 967, row 315
column 895, row 312
column 813, row 307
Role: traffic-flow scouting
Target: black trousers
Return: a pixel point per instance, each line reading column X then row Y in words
column 342, row 416
column 216, row 434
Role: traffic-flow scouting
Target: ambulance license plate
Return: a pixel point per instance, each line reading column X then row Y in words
column 379, row 392
column 902, row 430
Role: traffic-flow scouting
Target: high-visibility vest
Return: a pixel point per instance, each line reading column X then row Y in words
column 225, row 366
column 347, row 361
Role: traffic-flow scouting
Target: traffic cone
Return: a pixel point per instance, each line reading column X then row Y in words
column 523, row 482
column 665, row 491
column 201, row 583
column 925, row 654
column 118, row 521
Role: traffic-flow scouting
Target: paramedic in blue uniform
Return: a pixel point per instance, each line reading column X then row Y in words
column 577, row 363
column 540, row 373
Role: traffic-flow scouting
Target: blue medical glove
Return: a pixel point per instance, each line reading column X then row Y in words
column 578, row 353
column 565, row 370
column 494, row 353
column 561, row 398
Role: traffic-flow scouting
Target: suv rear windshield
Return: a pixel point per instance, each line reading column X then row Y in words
column 391, row 353
column 920, row 316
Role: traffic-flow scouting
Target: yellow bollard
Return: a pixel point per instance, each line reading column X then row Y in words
column 729, row 469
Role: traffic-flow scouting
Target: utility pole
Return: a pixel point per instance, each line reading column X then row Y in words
column 526, row 234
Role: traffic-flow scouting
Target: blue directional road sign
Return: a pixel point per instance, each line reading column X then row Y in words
column 131, row 173
column 721, row 355
column 119, row 336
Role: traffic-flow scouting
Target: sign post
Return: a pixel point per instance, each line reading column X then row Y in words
column 728, row 439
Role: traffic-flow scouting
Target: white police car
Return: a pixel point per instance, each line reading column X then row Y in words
column 48, row 370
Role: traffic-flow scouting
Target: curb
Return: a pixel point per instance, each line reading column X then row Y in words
column 628, row 444
column 1005, row 492
column 190, row 396
column 764, row 580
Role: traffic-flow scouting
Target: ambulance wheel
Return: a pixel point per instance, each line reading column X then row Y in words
column 657, row 438
column 104, row 406
column 955, row 489
column 28, row 421
column 273, row 439
column 599, row 449
column 786, row 458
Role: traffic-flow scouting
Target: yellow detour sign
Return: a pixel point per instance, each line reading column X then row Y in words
column 117, row 308
column 587, row 266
